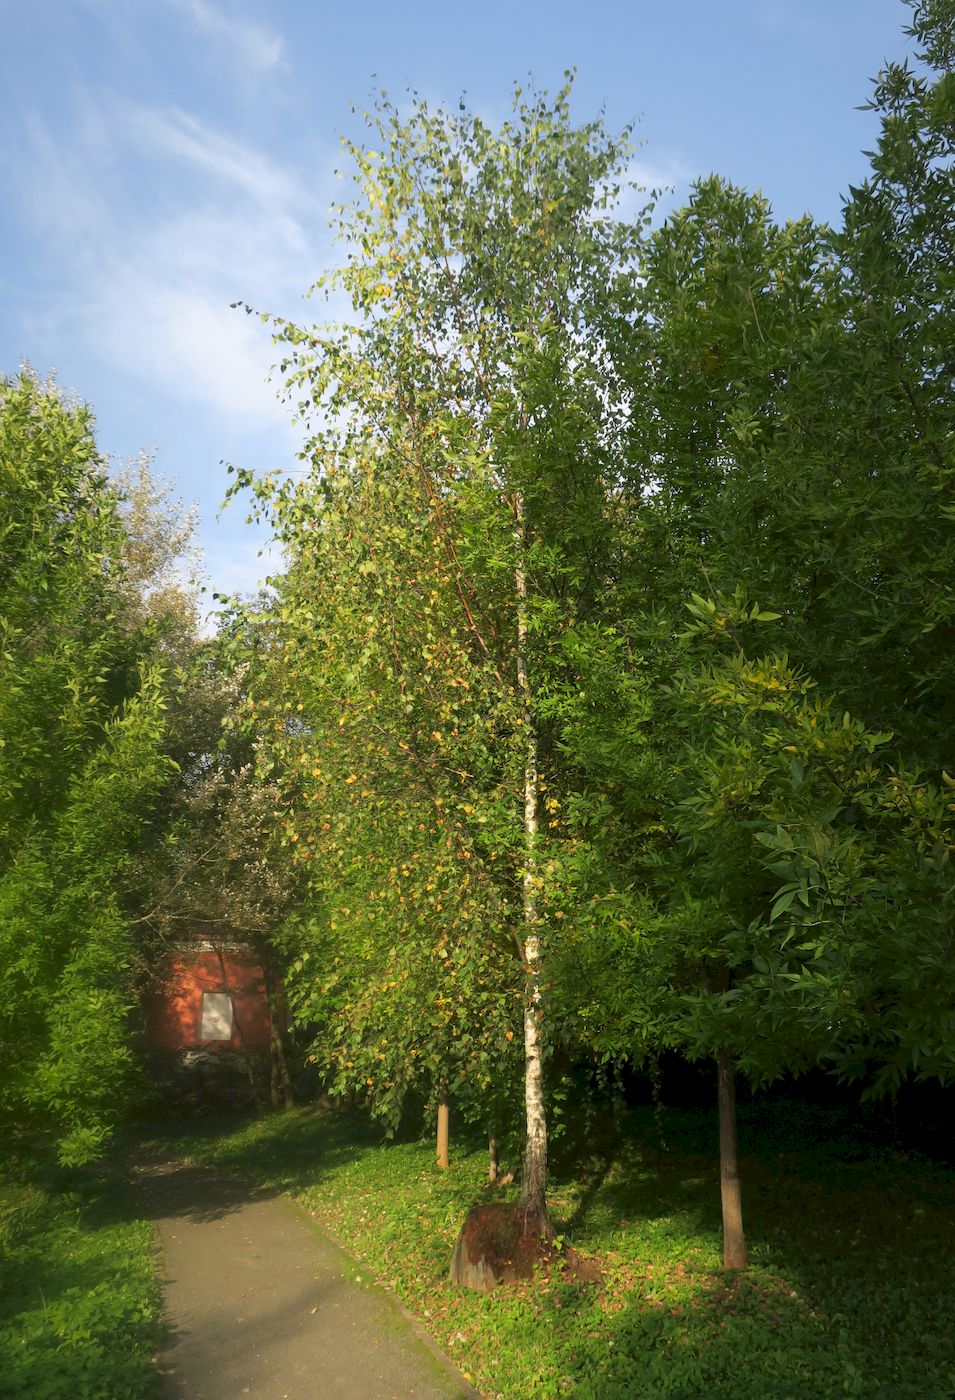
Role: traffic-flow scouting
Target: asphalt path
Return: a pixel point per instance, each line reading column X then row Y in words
column 260, row 1302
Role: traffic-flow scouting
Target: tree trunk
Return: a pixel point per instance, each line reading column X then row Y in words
column 243, row 1049
column 281, row 1080
column 533, row 1198
column 444, row 1116
column 254, row 1094
column 492, row 1163
column 734, row 1241
column 534, row 1183
column 503, row 1241
column 273, row 1071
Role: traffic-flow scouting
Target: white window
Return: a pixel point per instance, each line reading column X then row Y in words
column 216, row 1016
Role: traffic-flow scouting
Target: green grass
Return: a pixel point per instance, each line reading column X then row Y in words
column 79, row 1302
column 851, row 1291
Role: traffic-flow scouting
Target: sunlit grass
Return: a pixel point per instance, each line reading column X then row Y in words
column 851, row 1290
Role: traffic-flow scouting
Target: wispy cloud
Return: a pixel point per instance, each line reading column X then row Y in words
column 60, row 199
column 188, row 342
column 251, row 44
column 177, row 134
column 152, row 294
column 667, row 174
column 245, row 564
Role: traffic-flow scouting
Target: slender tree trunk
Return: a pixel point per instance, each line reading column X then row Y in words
column 444, row 1119
column 253, row 1082
column 273, row 1073
column 534, row 1185
column 734, row 1241
column 249, row 1063
column 492, row 1162
column 281, row 1080
column 281, row 1083
column 243, row 1049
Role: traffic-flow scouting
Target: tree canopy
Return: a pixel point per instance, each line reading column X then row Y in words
column 616, row 622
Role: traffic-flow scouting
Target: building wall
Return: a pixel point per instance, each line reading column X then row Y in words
column 174, row 1019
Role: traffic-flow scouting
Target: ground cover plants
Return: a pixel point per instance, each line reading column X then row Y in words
column 850, row 1289
column 79, row 1298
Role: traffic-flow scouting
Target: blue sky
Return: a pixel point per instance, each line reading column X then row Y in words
column 160, row 159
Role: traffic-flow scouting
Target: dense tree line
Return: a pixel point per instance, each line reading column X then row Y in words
column 608, row 685
column 92, row 623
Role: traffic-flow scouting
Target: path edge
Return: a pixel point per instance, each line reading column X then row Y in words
column 320, row 1228
column 412, row 1319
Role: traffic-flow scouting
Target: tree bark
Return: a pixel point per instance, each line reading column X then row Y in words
column 281, row 1080
column 734, row 1241
column 254, row 1094
column 282, row 1083
column 533, row 1199
column 444, row 1117
column 273, row 1071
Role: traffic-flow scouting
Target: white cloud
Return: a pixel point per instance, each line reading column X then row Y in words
column 189, row 343
column 152, row 294
column 639, row 180
column 252, row 45
column 56, row 190
column 660, row 175
column 246, row 563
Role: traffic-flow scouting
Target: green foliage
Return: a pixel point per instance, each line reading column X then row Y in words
column 744, row 865
column 760, row 859
column 81, row 764
column 825, row 877
column 447, row 525
column 796, row 417
column 616, row 630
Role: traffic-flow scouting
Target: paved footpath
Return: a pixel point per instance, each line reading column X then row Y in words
column 259, row 1302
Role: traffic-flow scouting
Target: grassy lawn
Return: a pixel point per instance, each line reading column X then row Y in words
column 79, row 1303
column 851, row 1290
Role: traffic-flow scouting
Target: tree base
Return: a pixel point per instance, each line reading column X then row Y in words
column 504, row 1242
column 501, row 1242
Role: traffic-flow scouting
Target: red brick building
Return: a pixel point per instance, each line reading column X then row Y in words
column 209, row 997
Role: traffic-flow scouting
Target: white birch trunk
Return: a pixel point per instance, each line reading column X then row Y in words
column 534, row 1184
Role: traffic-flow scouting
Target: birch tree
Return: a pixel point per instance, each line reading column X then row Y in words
column 470, row 413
